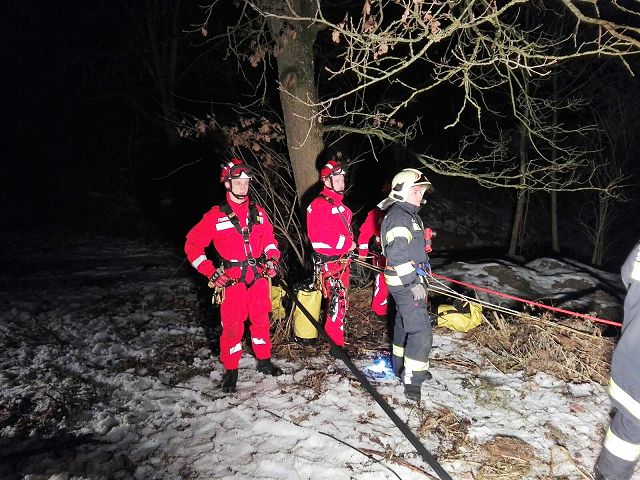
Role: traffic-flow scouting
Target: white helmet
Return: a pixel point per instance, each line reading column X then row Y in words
column 404, row 180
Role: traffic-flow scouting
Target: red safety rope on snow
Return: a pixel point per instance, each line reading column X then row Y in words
column 529, row 302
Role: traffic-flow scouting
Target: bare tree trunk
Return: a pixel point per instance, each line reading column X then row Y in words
column 517, row 228
column 298, row 95
column 555, row 239
column 162, row 21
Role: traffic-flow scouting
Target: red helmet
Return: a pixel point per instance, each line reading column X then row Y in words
column 235, row 168
column 332, row 167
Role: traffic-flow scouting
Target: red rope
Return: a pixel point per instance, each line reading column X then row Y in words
column 529, row 302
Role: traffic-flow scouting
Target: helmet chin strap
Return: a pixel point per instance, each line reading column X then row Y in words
column 339, row 192
column 239, row 196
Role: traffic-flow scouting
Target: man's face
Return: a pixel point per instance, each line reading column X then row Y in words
column 239, row 187
column 338, row 183
column 415, row 195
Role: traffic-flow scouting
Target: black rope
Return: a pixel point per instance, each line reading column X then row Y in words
column 404, row 428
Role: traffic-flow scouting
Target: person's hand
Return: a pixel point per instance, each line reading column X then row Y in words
column 419, row 292
column 271, row 267
column 362, row 254
column 219, row 279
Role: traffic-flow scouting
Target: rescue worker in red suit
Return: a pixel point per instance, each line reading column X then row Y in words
column 247, row 252
column 331, row 236
column 370, row 236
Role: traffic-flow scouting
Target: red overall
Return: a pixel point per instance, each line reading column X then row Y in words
column 329, row 230
column 371, row 228
column 250, row 296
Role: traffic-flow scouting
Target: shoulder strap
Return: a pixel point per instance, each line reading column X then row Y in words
column 344, row 220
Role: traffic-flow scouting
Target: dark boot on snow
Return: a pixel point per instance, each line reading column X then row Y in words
column 427, row 375
column 597, row 475
column 229, row 380
column 412, row 392
column 265, row 366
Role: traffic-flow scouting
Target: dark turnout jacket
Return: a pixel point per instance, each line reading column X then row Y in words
column 403, row 243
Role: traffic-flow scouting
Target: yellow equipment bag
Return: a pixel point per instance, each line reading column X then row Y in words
column 302, row 327
column 277, row 310
column 453, row 319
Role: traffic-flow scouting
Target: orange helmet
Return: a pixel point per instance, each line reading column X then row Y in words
column 235, row 168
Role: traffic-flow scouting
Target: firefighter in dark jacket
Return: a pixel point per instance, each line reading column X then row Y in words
column 247, row 251
column 404, row 245
column 621, row 448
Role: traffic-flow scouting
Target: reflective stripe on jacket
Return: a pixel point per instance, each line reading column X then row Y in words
column 328, row 233
column 403, row 243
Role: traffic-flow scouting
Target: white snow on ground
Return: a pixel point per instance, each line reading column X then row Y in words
column 106, row 372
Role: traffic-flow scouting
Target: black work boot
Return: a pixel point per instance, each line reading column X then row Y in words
column 597, row 475
column 427, row 375
column 397, row 363
column 412, row 392
column 229, row 380
column 265, row 366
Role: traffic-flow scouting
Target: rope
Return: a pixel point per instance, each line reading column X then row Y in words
column 444, row 289
column 364, row 381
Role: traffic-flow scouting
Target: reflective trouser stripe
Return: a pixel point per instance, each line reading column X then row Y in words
column 393, row 280
column 415, row 365
column 398, row 351
column 620, row 448
column 624, row 399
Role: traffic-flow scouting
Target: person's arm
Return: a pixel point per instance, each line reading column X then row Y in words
column 198, row 239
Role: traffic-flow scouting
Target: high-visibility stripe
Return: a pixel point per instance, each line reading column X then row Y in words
column 626, row 400
column 404, row 269
column 635, row 270
column 398, row 351
column 415, row 365
column 198, row 261
column 337, row 210
column 224, row 226
column 340, row 243
column 271, row 246
column 236, row 348
column 317, row 245
column 258, row 341
column 398, row 232
column 621, row 448
column 393, row 280
column 363, row 246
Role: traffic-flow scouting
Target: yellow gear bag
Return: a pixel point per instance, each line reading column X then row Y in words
column 311, row 300
column 277, row 309
column 453, row 319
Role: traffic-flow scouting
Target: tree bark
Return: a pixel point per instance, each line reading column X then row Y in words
column 299, row 97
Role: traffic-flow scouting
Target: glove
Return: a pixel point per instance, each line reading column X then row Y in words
column 271, row 267
column 428, row 235
column 362, row 254
column 219, row 279
column 423, row 269
column 418, row 292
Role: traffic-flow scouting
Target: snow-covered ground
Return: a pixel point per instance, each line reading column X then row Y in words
column 107, row 372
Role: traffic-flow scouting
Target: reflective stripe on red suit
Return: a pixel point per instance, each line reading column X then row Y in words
column 330, row 236
column 240, row 301
column 370, row 228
